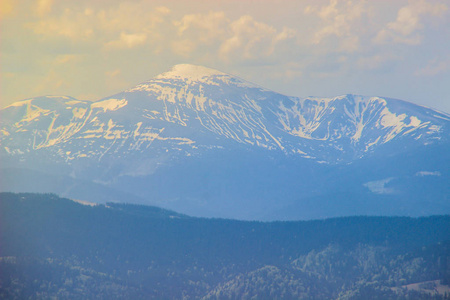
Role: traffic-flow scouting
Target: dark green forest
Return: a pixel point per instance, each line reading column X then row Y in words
column 52, row 247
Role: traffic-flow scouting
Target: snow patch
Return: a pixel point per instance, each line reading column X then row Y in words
column 369, row 145
column 33, row 112
column 110, row 104
column 73, row 102
column 390, row 119
column 359, row 129
column 20, row 103
column 111, row 134
column 397, row 124
column 443, row 117
column 79, row 112
column 434, row 128
column 414, row 121
column 84, row 202
column 428, row 173
column 379, row 186
column 59, row 97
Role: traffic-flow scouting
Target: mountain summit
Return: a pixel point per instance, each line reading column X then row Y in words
column 187, row 73
column 203, row 142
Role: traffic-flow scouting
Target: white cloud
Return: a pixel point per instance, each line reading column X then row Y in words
column 132, row 17
column 339, row 19
column 241, row 39
column 70, row 24
column 126, row 25
column 250, row 39
column 198, row 30
column 205, row 27
column 247, row 38
column 406, row 29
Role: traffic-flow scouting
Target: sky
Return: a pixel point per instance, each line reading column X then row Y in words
column 91, row 49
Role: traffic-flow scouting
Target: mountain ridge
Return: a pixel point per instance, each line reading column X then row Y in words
column 207, row 124
column 309, row 116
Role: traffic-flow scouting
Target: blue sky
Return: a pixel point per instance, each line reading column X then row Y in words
column 90, row 49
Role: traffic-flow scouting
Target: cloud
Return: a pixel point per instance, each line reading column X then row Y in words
column 289, row 71
column 114, row 78
column 340, row 19
column 434, row 67
column 183, row 47
column 66, row 58
column 126, row 25
column 406, row 29
column 206, row 27
column 247, row 37
column 44, row 7
column 74, row 42
column 49, row 84
column 241, row 39
column 199, row 30
column 132, row 17
column 7, row 7
column 70, row 24
column 112, row 74
column 129, row 25
column 127, row 41
column 250, row 39
column 377, row 61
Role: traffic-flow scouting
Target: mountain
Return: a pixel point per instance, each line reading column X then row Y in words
column 206, row 143
column 57, row 248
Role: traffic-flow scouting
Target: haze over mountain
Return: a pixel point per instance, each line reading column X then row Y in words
column 206, row 143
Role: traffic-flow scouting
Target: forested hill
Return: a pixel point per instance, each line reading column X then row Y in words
column 55, row 247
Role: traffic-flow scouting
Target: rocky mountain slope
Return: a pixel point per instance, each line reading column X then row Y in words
column 207, row 143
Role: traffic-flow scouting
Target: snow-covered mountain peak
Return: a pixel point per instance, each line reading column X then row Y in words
column 189, row 72
column 185, row 82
